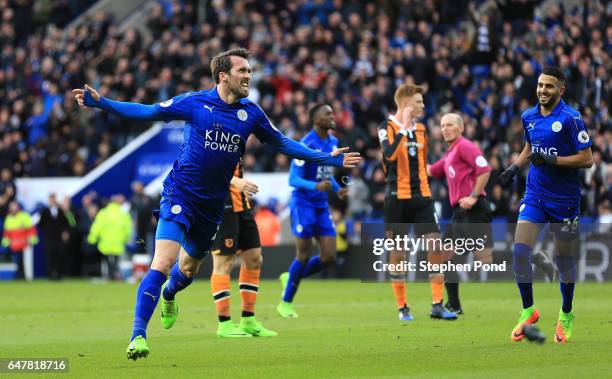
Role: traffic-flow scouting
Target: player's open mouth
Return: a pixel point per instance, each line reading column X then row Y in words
column 544, row 97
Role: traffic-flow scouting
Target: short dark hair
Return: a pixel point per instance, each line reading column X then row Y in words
column 554, row 71
column 222, row 62
column 313, row 111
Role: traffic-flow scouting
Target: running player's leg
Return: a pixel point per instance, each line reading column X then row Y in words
column 327, row 256
column 325, row 233
column 302, row 226
column 198, row 242
column 224, row 250
column 169, row 238
column 303, row 253
column 182, row 274
column 249, row 246
column 220, row 288
column 220, row 285
column 250, row 270
column 531, row 218
column 565, row 259
column 567, row 249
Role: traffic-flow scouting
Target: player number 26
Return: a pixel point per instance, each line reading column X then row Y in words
column 570, row 225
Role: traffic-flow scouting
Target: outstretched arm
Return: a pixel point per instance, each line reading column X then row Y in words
column 172, row 109
column 266, row 132
column 91, row 98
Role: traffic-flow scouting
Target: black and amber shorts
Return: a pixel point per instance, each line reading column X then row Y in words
column 237, row 232
column 401, row 214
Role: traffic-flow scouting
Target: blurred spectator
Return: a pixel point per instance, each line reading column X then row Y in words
column 377, row 192
column 594, row 181
column 8, row 191
column 72, row 245
column 481, row 57
column 499, row 202
column 110, row 232
column 336, row 270
column 268, row 224
column 18, row 234
column 53, row 226
column 142, row 207
column 89, row 253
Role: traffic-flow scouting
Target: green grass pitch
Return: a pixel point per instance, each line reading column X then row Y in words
column 346, row 329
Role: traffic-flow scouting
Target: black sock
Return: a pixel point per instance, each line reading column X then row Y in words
column 224, row 318
column 452, row 290
column 451, row 282
column 247, row 314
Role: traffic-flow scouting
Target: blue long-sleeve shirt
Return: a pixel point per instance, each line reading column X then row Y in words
column 304, row 176
column 215, row 136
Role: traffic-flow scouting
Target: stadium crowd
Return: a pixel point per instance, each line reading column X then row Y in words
column 479, row 58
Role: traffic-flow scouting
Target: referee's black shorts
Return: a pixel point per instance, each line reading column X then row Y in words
column 237, row 232
column 472, row 223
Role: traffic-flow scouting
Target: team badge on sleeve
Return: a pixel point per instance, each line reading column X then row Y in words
column 298, row 162
column 382, row 134
column 583, row 137
column 166, row 104
column 481, row 161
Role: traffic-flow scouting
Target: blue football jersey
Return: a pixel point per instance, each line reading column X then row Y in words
column 215, row 136
column 304, row 176
column 561, row 133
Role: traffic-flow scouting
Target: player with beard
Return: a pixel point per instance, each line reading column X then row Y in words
column 557, row 145
column 218, row 122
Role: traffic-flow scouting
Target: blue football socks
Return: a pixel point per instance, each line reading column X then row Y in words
column 295, row 274
column 146, row 301
column 523, row 272
column 178, row 282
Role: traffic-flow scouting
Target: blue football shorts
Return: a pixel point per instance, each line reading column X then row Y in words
column 563, row 217
column 308, row 222
column 175, row 224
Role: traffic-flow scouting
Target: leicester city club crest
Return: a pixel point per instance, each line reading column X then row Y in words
column 242, row 115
